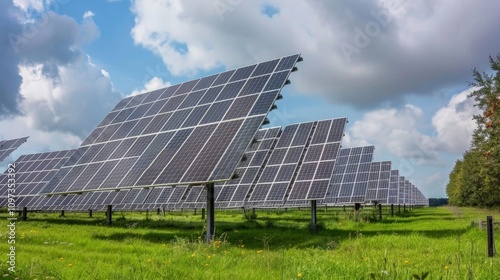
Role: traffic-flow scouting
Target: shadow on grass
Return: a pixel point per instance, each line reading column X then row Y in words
column 270, row 230
column 256, row 235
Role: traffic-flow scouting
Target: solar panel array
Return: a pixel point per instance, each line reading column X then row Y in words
column 8, row 146
column 350, row 176
column 33, row 172
column 319, row 143
column 158, row 149
column 191, row 133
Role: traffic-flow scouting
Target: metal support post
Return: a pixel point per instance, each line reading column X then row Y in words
column 210, row 212
column 314, row 225
column 109, row 215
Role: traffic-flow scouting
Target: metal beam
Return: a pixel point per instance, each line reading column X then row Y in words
column 209, row 236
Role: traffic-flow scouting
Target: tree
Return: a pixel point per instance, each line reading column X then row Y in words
column 486, row 138
column 455, row 186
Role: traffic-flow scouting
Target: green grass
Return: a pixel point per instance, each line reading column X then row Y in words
column 276, row 245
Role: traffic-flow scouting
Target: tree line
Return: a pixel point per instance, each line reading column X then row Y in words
column 475, row 179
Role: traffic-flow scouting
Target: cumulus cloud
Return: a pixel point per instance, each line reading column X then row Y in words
column 35, row 5
column 357, row 53
column 48, row 83
column 400, row 130
column 454, row 124
column 74, row 105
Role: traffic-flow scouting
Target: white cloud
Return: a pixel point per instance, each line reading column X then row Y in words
column 50, row 90
column 153, row 84
column 88, row 15
column 399, row 131
column 38, row 141
column 399, row 46
column 74, row 103
column 36, row 5
column 454, row 123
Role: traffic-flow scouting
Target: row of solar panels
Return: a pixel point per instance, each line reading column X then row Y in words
column 263, row 177
column 197, row 133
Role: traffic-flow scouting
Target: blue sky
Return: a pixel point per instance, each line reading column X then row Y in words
column 398, row 71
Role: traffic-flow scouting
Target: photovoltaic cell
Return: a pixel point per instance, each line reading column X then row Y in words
column 181, row 149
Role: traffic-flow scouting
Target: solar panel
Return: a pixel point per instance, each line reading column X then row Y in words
column 8, row 146
column 393, row 187
column 350, row 176
column 191, row 133
column 303, row 158
column 282, row 164
column 378, row 182
column 401, row 190
column 316, row 168
column 420, row 198
column 33, row 172
column 407, row 199
column 233, row 193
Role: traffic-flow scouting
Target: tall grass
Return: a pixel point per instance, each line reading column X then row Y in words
column 426, row 243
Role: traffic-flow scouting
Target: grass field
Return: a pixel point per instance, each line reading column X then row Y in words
column 425, row 243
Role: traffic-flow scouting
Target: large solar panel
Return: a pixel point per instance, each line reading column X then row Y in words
column 378, row 182
column 191, row 133
column 350, row 176
column 33, row 172
column 8, row 146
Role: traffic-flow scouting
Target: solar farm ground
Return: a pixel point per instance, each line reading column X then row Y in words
column 437, row 242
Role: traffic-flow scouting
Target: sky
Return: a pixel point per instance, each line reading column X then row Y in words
column 399, row 71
